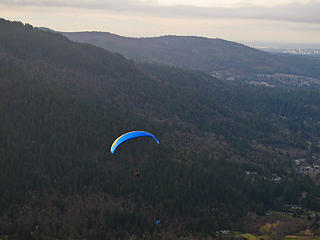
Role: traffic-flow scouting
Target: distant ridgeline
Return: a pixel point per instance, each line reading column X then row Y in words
column 222, row 59
column 63, row 103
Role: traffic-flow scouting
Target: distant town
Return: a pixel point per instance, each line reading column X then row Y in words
column 298, row 51
column 307, row 166
column 252, row 176
column 303, row 51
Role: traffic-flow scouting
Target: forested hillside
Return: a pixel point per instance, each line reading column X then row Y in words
column 224, row 59
column 63, row 103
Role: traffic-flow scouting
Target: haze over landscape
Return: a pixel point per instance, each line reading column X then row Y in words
column 248, row 21
column 230, row 91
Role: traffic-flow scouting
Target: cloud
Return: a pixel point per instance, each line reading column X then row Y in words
column 293, row 12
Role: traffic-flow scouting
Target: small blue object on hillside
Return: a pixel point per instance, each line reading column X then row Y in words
column 157, row 221
column 130, row 135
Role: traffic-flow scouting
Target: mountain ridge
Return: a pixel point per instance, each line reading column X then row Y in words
column 223, row 59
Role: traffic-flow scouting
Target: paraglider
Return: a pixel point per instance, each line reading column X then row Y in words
column 157, row 221
column 137, row 174
column 130, row 135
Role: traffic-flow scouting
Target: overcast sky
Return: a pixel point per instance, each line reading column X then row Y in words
column 248, row 21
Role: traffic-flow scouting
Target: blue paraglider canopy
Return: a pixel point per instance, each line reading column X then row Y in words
column 157, row 221
column 130, row 135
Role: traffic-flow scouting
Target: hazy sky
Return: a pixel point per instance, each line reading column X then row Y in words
column 292, row 21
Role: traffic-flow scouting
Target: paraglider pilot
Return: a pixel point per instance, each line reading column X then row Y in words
column 137, row 174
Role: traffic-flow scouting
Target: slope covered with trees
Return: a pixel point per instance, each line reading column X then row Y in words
column 63, row 103
column 224, row 59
